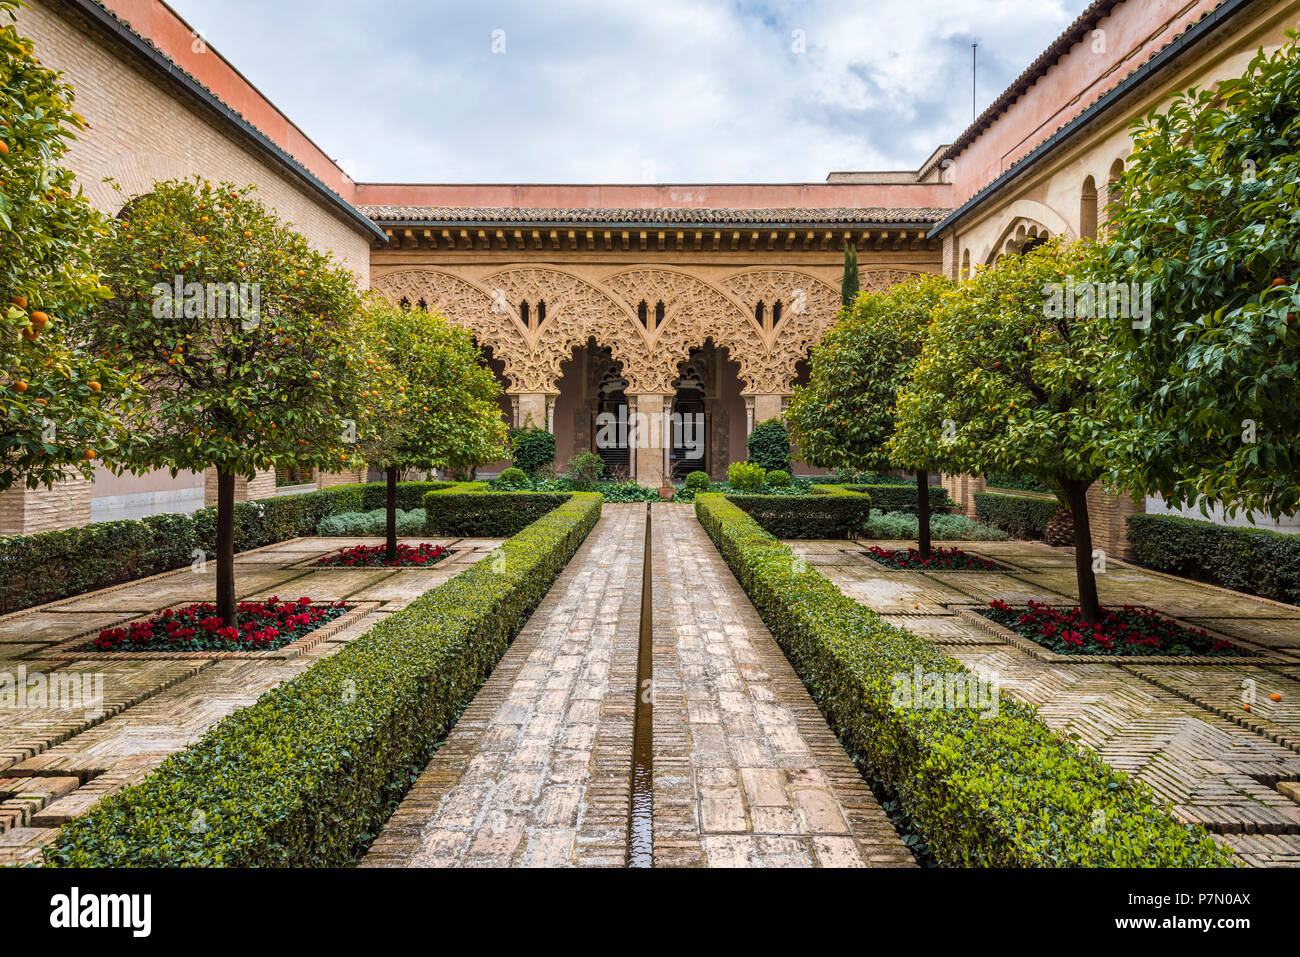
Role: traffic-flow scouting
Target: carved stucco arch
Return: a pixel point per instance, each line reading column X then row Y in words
column 470, row 307
column 576, row 311
column 1024, row 220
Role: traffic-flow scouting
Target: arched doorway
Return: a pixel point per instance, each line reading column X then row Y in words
column 690, row 425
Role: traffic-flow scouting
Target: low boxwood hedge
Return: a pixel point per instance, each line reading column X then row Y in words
column 47, row 566
column 1022, row 516
column 473, row 512
column 306, row 775
column 807, row 516
column 1003, row 790
column 1253, row 560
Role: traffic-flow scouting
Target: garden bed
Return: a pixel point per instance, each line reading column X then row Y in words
column 941, row 559
column 262, row 626
column 1130, row 631
column 424, row 555
column 999, row 791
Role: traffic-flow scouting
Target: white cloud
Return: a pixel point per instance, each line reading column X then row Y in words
column 589, row 91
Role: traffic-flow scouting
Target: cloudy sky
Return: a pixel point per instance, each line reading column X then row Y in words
column 627, row 90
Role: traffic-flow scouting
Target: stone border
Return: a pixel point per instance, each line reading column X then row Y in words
column 999, row 566
column 310, row 563
column 1257, row 654
column 75, row 644
column 127, row 584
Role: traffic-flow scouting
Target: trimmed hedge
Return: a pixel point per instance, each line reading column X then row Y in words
column 1020, row 515
column 35, row 569
column 1252, row 560
column 902, row 498
column 807, row 516
column 307, row 775
column 469, row 512
column 993, row 791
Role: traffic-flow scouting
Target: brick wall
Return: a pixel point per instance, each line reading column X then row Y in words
column 1108, row 515
column 24, row 511
column 962, row 490
column 261, row 486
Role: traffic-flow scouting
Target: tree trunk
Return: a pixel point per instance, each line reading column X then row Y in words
column 1089, row 605
column 226, row 548
column 390, row 505
column 923, row 512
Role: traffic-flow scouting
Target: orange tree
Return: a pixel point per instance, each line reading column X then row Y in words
column 844, row 417
column 240, row 332
column 1206, row 392
column 1007, row 381
column 437, row 403
column 58, row 406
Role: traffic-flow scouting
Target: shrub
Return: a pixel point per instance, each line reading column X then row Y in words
column 585, row 469
column 305, row 776
column 533, row 448
column 778, row 478
column 896, row 497
column 1000, row 790
column 769, row 446
column 372, row 524
column 512, row 479
column 1019, row 515
column 745, row 476
column 902, row 526
column 1017, row 483
column 48, row 566
column 470, row 512
column 1252, row 560
column 807, row 516
column 698, row 480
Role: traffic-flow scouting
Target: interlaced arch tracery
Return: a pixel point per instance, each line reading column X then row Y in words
column 684, row 311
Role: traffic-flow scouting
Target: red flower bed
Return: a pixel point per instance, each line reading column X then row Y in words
column 1124, row 631
column 263, row 626
column 952, row 559
column 376, row 556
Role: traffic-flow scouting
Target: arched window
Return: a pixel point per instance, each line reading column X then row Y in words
column 759, row 310
column 541, row 311
column 965, row 266
column 405, row 304
column 776, row 313
column 659, row 313
column 1113, row 195
column 423, row 306
column 1088, row 209
column 643, row 314
column 523, row 314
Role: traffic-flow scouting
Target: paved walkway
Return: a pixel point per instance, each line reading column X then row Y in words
column 1181, row 728
column 58, row 762
column 538, row 769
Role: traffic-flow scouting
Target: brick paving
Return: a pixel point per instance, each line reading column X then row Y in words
column 537, row 771
column 56, row 763
column 746, row 770
column 1181, row 728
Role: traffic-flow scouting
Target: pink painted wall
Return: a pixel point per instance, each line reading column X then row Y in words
column 732, row 195
column 161, row 25
column 1133, row 32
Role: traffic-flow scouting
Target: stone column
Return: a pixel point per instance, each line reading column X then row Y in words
column 531, row 407
column 767, row 407
column 261, row 486
column 648, row 450
column 25, row 511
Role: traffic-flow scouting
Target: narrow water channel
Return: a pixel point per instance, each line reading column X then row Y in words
column 640, row 845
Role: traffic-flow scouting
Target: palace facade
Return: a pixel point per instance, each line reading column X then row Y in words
column 633, row 299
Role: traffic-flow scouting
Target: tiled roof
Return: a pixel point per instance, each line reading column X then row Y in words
column 670, row 216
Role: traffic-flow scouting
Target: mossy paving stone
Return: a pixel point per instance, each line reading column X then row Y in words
column 1282, row 634
column 325, row 584
column 987, row 586
column 407, row 584
column 898, row 593
column 1206, row 767
column 55, row 625
column 948, row 629
column 184, row 587
column 1225, row 691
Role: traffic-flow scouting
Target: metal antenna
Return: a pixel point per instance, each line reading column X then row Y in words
column 973, row 48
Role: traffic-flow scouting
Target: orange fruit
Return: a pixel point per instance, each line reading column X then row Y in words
column 1275, row 697
column 39, row 319
column 42, row 402
column 88, row 454
column 1245, row 707
column 94, row 386
column 4, row 148
column 30, row 333
column 20, row 386
column 19, row 301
